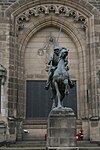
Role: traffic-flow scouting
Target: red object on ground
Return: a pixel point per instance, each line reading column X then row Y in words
column 78, row 137
column 45, row 136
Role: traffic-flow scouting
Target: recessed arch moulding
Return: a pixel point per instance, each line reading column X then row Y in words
column 74, row 21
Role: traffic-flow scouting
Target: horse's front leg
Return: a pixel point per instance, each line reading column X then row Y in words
column 66, row 86
column 53, row 103
column 58, row 96
column 53, row 98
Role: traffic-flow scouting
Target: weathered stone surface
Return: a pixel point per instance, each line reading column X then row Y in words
column 19, row 50
column 61, row 128
column 95, row 129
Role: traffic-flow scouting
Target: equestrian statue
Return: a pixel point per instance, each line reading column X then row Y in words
column 59, row 77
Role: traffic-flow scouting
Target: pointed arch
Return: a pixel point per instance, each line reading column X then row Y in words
column 84, row 8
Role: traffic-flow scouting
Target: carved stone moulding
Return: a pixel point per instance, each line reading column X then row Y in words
column 46, row 10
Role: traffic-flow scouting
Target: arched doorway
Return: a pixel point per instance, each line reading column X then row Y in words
column 38, row 101
column 75, row 23
column 77, row 19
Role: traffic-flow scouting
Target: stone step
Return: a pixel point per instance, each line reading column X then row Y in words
column 32, row 126
column 32, row 139
column 36, row 129
column 29, row 144
column 34, row 145
column 34, row 134
column 35, row 122
column 23, row 148
column 42, row 124
column 86, row 144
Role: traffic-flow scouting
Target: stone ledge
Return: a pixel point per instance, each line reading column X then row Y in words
column 62, row 148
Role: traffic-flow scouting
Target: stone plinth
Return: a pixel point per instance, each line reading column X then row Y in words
column 61, row 128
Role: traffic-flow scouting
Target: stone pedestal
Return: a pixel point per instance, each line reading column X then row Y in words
column 61, row 128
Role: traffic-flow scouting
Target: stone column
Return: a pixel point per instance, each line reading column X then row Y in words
column 61, row 128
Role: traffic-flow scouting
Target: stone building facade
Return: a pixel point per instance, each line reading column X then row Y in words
column 25, row 25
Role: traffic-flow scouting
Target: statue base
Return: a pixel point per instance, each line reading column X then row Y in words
column 61, row 131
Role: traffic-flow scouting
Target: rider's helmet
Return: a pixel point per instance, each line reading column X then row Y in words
column 56, row 50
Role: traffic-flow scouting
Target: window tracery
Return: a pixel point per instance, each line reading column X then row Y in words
column 46, row 10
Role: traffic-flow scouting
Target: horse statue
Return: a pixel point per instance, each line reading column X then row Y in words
column 60, row 81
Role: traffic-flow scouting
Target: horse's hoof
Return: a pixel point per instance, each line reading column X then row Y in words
column 53, row 107
column 46, row 88
column 66, row 92
column 59, row 107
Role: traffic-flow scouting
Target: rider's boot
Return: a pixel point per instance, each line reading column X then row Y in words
column 66, row 89
column 47, row 86
column 71, row 84
column 48, row 81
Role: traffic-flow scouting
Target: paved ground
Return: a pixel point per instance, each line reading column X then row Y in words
column 40, row 145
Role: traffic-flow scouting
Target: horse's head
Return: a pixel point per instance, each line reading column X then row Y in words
column 64, row 52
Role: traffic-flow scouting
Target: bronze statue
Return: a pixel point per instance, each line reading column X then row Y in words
column 59, row 78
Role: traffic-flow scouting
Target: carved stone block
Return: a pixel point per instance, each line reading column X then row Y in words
column 61, row 128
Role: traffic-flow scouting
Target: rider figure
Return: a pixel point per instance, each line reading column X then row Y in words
column 54, row 62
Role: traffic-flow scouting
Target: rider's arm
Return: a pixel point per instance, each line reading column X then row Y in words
column 50, row 61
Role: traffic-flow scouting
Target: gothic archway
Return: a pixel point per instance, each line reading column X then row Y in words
column 27, row 21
